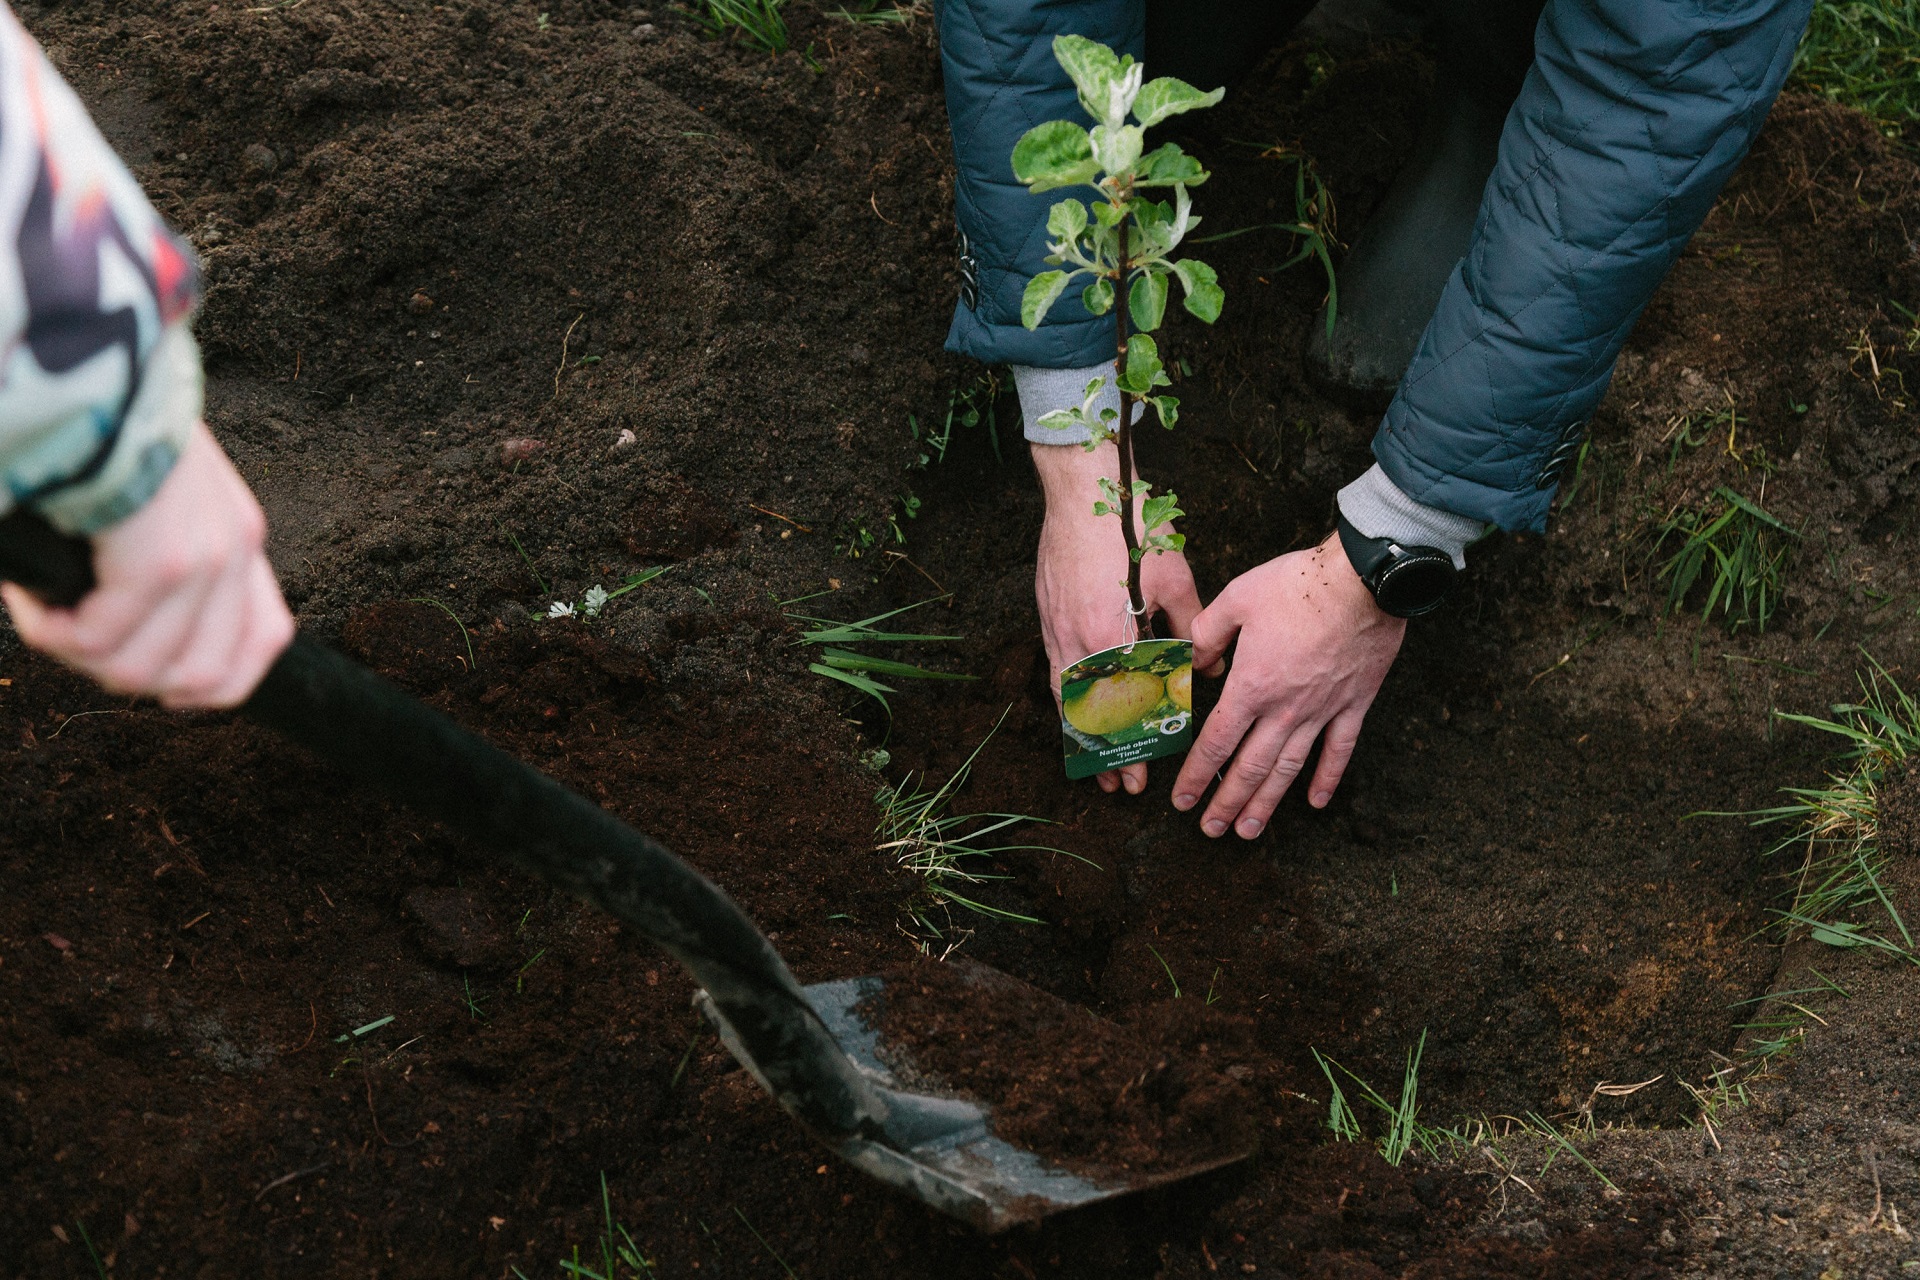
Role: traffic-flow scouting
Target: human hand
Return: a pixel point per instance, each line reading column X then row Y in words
column 1314, row 648
column 1080, row 576
column 185, row 608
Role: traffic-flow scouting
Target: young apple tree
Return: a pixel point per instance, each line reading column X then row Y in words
column 1125, row 242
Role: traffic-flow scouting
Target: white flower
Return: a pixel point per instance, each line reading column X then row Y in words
column 596, row 600
column 559, row 609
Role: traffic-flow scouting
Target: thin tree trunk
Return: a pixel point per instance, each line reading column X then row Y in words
column 1124, row 439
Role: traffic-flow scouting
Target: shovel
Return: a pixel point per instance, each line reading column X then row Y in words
column 811, row 1048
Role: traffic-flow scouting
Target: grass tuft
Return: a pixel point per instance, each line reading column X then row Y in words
column 1839, row 897
column 941, row 848
column 620, row 1257
column 1404, row 1131
column 759, row 22
column 1866, row 54
column 1738, row 549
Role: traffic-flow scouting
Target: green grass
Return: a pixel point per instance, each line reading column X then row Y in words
column 1733, row 546
column 1403, row 1130
column 620, row 1257
column 1839, row 895
column 942, row 848
column 1866, row 54
column 864, row 671
column 756, row 21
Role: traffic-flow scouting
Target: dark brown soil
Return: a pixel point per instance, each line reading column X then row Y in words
column 493, row 240
column 1086, row 1093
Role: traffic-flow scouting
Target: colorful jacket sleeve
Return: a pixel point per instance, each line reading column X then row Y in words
column 99, row 375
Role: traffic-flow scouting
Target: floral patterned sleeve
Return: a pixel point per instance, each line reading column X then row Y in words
column 99, row 375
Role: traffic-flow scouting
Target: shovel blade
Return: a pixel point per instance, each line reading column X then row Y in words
column 942, row 1150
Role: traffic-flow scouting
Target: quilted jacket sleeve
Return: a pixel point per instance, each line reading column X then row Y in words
column 1001, row 80
column 99, row 376
column 1634, row 115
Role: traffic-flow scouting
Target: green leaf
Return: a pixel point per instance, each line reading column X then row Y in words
column 1204, row 296
column 1061, row 419
column 1161, row 508
column 1147, row 300
column 1041, row 293
column 1107, row 84
column 1154, row 218
column 1066, row 220
column 1097, row 297
column 1167, row 96
column 1106, row 214
column 1055, row 154
column 1168, row 408
column 1089, row 64
column 1166, row 165
column 1117, row 149
column 1144, row 371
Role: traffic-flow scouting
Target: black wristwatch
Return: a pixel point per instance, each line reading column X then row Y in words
column 1406, row 581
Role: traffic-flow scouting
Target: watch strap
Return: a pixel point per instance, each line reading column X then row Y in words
column 1366, row 554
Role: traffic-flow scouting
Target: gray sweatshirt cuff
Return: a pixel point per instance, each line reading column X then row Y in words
column 1378, row 508
column 1044, row 390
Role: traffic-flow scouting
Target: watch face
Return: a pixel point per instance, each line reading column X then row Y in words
column 1415, row 584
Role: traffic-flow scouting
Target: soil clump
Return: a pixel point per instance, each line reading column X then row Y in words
column 1085, row 1093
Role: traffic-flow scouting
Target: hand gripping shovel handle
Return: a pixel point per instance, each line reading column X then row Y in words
column 369, row 729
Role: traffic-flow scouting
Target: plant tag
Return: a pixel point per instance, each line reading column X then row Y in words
column 1130, row 703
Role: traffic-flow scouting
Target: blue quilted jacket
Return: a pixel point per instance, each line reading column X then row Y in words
column 1633, row 116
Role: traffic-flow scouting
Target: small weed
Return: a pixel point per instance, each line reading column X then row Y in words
column 520, row 975
column 924, row 839
column 474, row 1005
column 542, row 582
column 859, row 670
column 1737, row 548
column 1211, row 984
column 443, row 607
column 757, row 21
column 596, row 599
column 1313, row 227
column 1540, row 1124
column 771, row 1251
column 685, row 1058
column 967, row 406
column 620, row 1257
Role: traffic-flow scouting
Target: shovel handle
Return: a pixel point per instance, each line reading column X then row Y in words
column 371, row 730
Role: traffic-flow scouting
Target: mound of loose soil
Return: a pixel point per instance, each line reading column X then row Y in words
column 507, row 300
column 1086, row 1093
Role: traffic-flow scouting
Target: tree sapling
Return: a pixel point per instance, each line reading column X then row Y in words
column 1125, row 242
